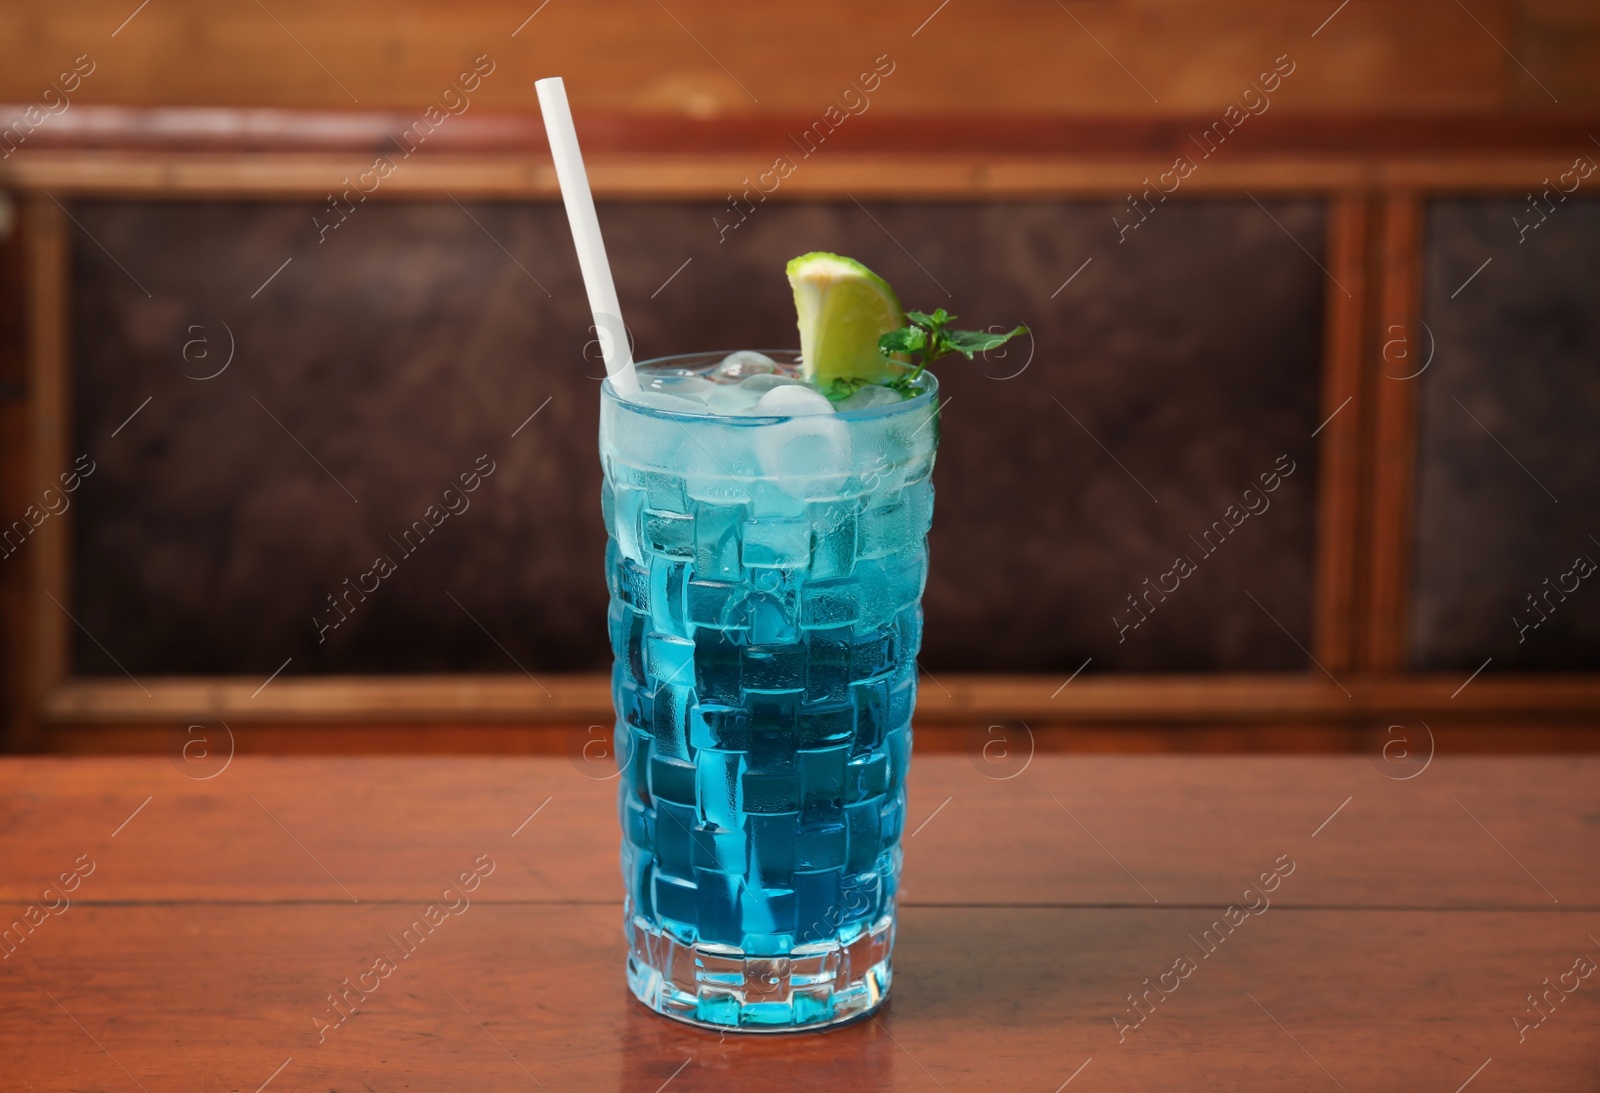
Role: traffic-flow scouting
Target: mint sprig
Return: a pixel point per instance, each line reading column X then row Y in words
column 929, row 337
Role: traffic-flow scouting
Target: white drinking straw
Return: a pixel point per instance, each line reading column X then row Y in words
column 574, row 180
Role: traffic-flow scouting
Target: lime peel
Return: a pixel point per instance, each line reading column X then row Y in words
column 843, row 309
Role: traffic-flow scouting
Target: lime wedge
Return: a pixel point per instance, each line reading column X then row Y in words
column 844, row 308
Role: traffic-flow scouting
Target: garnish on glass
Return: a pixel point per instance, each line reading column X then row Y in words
column 926, row 338
column 854, row 334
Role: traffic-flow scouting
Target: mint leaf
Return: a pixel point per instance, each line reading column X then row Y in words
column 970, row 342
column 928, row 338
column 908, row 339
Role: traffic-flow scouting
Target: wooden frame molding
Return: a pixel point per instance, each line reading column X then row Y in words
column 174, row 129
column 1392, row 449
column 968, row 700
column 523, row 176
column 1375, row 176
column 1336, row 607
column 44, row 656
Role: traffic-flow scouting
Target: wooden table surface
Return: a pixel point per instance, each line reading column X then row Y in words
column 210, row 921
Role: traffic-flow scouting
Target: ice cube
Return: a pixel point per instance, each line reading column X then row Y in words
column 689, row 387
column 730, row 399
column 743, row 364
column 657, row 400
column 808, row 454
column 760, row 385
column 793, row 400
column 870, row 397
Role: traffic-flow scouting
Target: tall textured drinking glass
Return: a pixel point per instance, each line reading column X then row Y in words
column 766, row 576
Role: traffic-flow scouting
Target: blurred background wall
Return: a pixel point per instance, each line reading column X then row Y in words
column 1135, row 59
column 1385, row 154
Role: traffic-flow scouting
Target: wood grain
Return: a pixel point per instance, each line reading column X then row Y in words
column 1000, row 132
column 710, row 175
column 1335, row 612
column 1394, row 956
column 1191, row 830
column 17, row 699
column 191, row 997
column 1396, row 357
column 954, row 699
column 49, row 419
column 1498, row 734
column 702, row 58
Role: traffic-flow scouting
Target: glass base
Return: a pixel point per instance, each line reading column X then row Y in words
column 721, row 987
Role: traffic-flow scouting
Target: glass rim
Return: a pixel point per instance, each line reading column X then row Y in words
column 929, row 393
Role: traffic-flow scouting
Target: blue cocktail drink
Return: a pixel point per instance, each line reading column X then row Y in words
column 766, row 563
column 767, row 518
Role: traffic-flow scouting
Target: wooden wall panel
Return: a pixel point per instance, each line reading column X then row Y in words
column 709, row 57
column 1041, row 100
column 410, row 342
column 1508, row 472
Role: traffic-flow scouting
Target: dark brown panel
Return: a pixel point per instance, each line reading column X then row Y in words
column 1508, row 474
column 409, row 343
column 367, row 376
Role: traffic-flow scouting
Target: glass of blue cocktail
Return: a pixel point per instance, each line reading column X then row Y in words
column 766, row 562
